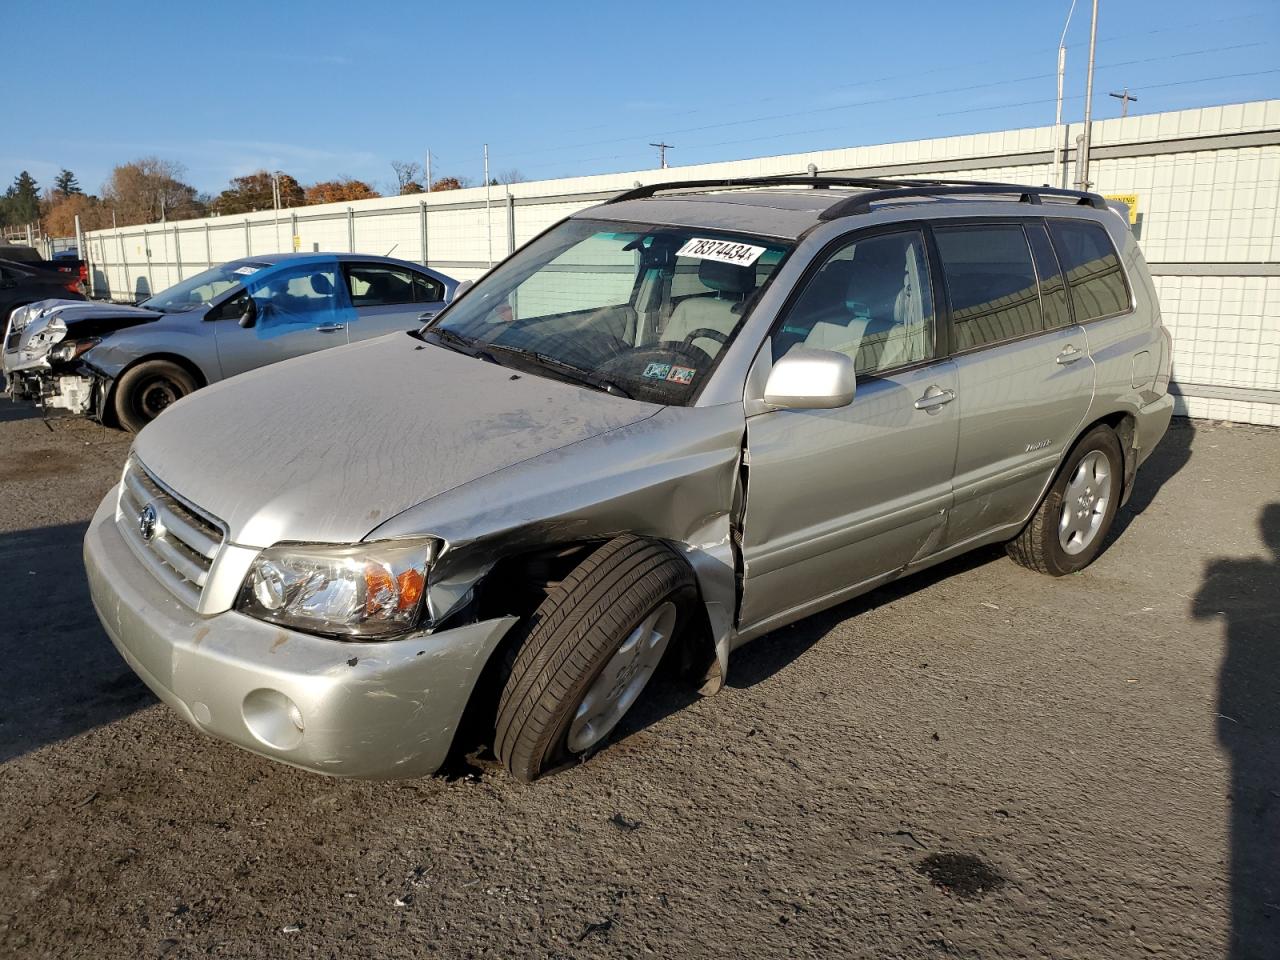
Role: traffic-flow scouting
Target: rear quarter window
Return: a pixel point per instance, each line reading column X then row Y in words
column 1095, row 277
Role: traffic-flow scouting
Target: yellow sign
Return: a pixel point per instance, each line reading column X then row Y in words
column 1130, row 199
column 297, row 243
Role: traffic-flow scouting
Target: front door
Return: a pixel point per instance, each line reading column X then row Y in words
column 301, row 307
column 836, row 498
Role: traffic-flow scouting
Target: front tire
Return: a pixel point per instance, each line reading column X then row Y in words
column 588, row 652
column 147, row 390
column 1071, row 524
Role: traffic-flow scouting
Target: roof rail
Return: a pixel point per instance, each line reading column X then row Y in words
column 861, row 202
column 878, row 189
column 797, row 180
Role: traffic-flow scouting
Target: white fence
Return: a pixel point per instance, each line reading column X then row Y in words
column 1206, row 184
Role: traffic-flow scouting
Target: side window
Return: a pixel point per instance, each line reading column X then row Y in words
column 991, row 282
column 871, row 300
column 427, row 289
column 1053, row 291
column 301, row 294
column 1094, row 274
column 373, row 286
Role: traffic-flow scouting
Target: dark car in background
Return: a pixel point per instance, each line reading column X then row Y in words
column 126, row 364
column 65, row 261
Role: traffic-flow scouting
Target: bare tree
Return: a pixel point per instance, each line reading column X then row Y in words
column 510, row 176
column 409, row 177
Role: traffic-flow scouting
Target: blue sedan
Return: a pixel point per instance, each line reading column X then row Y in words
column 128, row 364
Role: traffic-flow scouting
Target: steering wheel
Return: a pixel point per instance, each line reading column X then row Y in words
column 707, row 332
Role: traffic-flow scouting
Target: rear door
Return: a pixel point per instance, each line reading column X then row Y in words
column 1025, row 379
column 839, row 497
column 301, row 307
column 388, row 299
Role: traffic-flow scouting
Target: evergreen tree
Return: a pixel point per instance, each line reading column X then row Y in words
column 22, row 200
column 66, row 184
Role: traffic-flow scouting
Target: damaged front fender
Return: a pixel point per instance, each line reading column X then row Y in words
column 672, row 476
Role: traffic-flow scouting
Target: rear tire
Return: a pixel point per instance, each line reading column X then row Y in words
column 147, row 390
column 1070, row 527
column 588, row 651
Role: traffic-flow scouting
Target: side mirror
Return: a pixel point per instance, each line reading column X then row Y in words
column 462, row 288
column 808, row 379
column 250, row 315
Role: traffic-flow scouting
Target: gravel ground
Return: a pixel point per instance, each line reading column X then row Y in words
column 976, row 762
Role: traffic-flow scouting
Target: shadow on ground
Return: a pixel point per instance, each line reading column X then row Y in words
column 61, row 675
column 1245, row 593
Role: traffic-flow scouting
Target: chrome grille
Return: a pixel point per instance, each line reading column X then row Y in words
column 183, row 541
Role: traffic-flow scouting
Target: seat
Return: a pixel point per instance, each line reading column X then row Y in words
column 731, row 284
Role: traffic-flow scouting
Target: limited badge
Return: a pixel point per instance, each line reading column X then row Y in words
column 657, row 371
column 681, row 375
column 725, row 251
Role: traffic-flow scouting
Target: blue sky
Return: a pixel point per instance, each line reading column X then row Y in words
column 566, row 88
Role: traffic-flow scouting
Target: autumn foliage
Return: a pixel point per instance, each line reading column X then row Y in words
column 340, row 191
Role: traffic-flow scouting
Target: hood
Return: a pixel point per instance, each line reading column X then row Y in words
column 325, row 448
column 43, row 325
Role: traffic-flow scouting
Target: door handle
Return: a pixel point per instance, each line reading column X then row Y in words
column 1070, row 354
column 331, row 328
column 427, row 315
column 935, row 397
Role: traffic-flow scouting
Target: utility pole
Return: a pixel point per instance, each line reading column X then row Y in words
column 428, row 171
column 1059, row 168
column 662, row 153
column 1124, row 99
column 1082, row 163
column 488, row 216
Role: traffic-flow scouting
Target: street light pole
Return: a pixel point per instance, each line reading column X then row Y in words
column 1059, row 168
column 1082, row 164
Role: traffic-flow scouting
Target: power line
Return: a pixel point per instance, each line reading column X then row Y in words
column 903, row 97
column 946, row 113
column 893, row 77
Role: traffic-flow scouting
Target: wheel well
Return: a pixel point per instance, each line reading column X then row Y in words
column 108, row 403
column 515, row 586
column 1125, row 426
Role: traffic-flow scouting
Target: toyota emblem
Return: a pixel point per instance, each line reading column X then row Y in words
column 147, row 522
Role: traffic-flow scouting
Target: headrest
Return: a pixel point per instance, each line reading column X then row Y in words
column 727, row 277
column 321, row 284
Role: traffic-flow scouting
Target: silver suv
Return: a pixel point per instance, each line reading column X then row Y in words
column 665, row 426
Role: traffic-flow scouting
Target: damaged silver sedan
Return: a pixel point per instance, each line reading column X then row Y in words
column 665, row 426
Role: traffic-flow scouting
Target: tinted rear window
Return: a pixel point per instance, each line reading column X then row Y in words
column 991, row 282
column 1094, row 274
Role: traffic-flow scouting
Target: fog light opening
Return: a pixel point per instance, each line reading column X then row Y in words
column 273, row 718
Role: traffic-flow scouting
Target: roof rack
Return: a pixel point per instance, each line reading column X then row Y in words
column 798, row 180
column 861, row 202
column 878, row 189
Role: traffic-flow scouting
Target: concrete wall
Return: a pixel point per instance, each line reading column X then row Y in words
column 1206, row 180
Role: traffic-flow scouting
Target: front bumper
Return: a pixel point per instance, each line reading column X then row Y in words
column 376, row 710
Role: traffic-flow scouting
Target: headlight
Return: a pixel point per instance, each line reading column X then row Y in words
column 70, row 349
column 362, row 590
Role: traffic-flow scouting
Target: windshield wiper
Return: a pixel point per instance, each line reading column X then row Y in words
column 566, row 371
column 448, row 339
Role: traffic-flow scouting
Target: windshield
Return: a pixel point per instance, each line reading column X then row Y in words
column 634, row 309
column 199, row 290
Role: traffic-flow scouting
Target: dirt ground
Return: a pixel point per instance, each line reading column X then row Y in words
column 976, row 762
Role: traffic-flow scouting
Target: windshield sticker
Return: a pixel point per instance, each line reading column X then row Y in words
column 246, row 271
column 726, row 251
column 657, row 371
column 681, row 375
